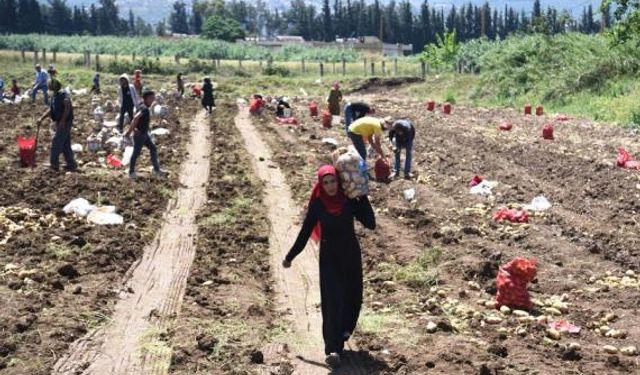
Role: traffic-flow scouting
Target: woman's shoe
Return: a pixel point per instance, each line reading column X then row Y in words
column 333, row 360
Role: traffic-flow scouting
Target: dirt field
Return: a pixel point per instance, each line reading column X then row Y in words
column 435, row 259
column 60, row 275
column 228, row 313
column 430, row 266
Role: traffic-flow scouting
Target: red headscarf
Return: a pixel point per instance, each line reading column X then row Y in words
column 333, row 204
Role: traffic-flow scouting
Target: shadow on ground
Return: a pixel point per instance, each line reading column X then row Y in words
column 353, row 363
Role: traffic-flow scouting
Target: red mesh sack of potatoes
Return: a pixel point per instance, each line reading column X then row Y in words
column 512, row 281
column 625, row 160
column 513, row 215
column 382, row 169
column 547, row 131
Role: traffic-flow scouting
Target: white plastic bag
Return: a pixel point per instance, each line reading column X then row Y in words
column 126, row 157
column 114, row 141
column 105, row 216
column 159, row 131
column 409, row 194
column 484, row 188
column 160, row 111
column 330, row 141
column 110, row 124
column 539, row 203
column 79, row 206
column 76, row 147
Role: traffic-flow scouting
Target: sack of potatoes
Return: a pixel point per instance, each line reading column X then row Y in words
column 352, row 172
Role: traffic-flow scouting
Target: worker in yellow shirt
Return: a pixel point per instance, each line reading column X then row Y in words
column 370, row 128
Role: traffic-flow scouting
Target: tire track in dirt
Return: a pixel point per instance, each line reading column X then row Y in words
column 297, row 288
column 133, row 342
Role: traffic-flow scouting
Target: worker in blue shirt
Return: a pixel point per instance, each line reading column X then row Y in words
column 401, row 135
column 40, row 84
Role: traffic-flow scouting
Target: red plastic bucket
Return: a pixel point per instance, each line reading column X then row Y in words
column 527, row 109
column 313, row 109
column 547, row 132
column 431, row 105
column 539, row 110
column 27, row 151
column 446, row 108
column 326, row 119
column 382, row 170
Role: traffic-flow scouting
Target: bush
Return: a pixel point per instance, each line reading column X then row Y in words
column 222, row 28
column 553, row 68
column 275, row 70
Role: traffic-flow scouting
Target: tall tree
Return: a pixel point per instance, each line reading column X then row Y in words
column 132, row 23
column 161, row 29
column 108, row 17
column 94, row 16
column 8, row 18
column 178, row 21
column 406, row 23
column 59, row 18
column 327, row 27
column 537, row 9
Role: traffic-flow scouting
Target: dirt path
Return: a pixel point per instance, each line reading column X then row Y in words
column 297, row 288
column 133, row 343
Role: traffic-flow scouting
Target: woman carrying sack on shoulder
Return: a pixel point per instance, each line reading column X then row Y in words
column 330, row 219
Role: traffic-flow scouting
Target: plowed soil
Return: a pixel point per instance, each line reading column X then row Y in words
column 59, row 275
column 228, row 310
column 435, row 258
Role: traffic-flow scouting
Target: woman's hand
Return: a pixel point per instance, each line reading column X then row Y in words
column 286, row 264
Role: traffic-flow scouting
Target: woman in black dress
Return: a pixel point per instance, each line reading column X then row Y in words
column 330, row 218
column 207, row 95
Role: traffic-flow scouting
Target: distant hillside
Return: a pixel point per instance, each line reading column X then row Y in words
column 155, row 10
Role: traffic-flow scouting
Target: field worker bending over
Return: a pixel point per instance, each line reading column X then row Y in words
column 370, row 128
column 283, row 107
column 401, row 136
column 40, row 84
column 61, row 112
column 15, row 89
column 128, row 100
column 330, row 217
column 355, row 111
column 141, row 138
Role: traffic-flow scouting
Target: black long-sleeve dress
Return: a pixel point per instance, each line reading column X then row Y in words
column 340, row 266
column 207, row 96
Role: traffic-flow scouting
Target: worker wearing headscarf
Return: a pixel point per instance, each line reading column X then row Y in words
column 335, row 99
column 330, row 218
column 127, row 99
column 61, row 113
column 208, row 101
